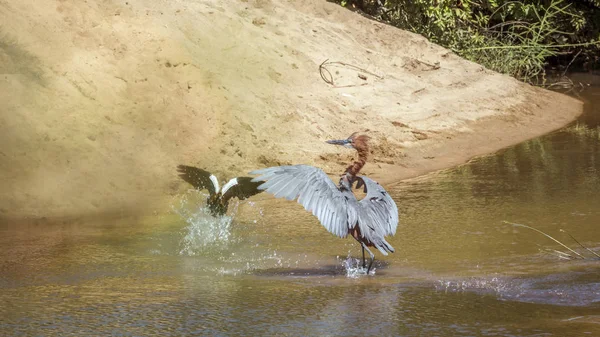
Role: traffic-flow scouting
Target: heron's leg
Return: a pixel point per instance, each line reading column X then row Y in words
column 363, row 251
column 372, row 257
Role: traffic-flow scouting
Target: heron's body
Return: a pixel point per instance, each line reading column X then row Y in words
column 337, row 208
column 218, row 199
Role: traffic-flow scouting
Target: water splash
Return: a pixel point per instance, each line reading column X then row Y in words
column 493, row 285
column 572, row 288
column 354, row 268
column 203, row 230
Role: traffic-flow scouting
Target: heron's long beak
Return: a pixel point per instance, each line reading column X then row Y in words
column 338, row 141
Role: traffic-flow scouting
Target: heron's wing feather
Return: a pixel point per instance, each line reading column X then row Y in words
column 197, row 177
column 313, row 189
column 241, row 188
column 378, row 209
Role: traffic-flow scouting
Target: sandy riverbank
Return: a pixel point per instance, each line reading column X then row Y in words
column 100, row 101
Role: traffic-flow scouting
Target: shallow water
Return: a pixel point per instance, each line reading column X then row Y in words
column 458, row 269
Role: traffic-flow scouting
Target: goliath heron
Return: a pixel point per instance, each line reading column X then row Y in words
column 218, row 199
column 368, row 220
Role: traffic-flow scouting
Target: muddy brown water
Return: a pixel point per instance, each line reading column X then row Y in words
column 459, row 270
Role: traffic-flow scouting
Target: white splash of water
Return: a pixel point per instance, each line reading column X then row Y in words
column 354, row 268
column 203, row 230
column 483, row 285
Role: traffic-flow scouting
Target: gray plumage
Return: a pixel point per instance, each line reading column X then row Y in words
column 369, row 220
column 336, row 207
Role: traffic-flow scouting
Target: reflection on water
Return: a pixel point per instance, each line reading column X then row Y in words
column 549, row 183
column 458, row 269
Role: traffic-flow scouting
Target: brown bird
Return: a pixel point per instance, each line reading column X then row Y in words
column 218, row 199
column 368, row 220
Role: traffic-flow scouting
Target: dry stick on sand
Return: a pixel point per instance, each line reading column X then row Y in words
column 328, row 77
column 546, row 235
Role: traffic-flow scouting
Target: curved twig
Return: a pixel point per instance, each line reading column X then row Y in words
column 323, row 71
column 328, row 77
column 546, row 235
column 589, row 250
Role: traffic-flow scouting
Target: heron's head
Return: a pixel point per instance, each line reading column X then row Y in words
column 355, row 141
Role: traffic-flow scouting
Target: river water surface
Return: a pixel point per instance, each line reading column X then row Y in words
column 459, row 269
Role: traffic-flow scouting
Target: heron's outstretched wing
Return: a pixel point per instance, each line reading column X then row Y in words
column 314, row 190
column 199, row 178
column 241, row 188
column 378, row 207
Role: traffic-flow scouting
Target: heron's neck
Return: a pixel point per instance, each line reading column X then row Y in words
column 355, row 167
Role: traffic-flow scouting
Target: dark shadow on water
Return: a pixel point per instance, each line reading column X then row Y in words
column 327, row 270
column 330, row 270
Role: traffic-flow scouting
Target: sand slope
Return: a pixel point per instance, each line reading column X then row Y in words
column 99, row 101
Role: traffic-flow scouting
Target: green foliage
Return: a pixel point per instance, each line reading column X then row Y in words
column 512, row 37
